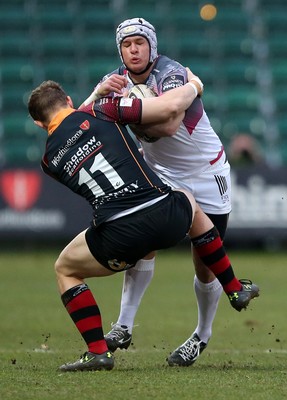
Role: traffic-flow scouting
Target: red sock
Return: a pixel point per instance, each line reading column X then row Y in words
column 210, row 249
column 83, row 310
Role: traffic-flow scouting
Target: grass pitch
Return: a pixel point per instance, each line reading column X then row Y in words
column 245, row 359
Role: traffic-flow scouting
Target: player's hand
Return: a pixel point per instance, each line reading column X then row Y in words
column 114, row 83
column 195, row 80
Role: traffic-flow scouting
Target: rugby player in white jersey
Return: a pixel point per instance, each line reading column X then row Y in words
column 193, row 159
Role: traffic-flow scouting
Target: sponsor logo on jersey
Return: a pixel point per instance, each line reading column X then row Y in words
column 85, row 125
column 127, row 101
column 20, row 188
column 63, row 150
column 172, row 82
column 81, row 154
column 129, row 189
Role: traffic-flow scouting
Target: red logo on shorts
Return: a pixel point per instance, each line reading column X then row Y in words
column 85, row 125
column 20, row 188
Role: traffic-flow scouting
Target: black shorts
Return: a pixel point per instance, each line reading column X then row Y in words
column 120, row 243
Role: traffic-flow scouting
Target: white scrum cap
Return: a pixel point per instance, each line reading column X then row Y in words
column 137, row 27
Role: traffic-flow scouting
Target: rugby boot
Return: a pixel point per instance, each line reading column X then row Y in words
column 90, row 362
column 240, row 299
column 118, row 337
column 187, row 353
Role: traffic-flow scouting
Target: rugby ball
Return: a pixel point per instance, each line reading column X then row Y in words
column 141, row 91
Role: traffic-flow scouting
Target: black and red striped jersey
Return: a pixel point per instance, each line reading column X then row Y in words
column 88, row 151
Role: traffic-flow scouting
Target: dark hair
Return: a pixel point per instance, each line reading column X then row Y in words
column 44, row 99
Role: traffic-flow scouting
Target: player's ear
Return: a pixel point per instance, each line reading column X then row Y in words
column 70, row 102
column 40, row 124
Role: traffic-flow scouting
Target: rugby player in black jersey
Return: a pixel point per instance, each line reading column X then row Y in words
column 134, row 212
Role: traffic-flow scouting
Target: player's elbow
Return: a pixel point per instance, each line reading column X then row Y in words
column 172, row 128
column 173, row 123
column 169, row 128
column 173, row 110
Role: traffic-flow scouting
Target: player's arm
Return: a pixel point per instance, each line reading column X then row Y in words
column 115, row 83
column 167, row 111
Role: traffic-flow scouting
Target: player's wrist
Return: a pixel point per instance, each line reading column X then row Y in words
column 198, row 84
column 96, row 94
column 194, row 87
column 93, row 97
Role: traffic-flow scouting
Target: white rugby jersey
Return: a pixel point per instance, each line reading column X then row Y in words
column 189, row 158
column 195, row 146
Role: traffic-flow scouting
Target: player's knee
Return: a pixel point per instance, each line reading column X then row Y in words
column 58, row 266
column 62, row 263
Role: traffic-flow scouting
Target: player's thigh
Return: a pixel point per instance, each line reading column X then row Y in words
column 77, row 260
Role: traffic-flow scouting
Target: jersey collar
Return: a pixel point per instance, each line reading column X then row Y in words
column 58, row 119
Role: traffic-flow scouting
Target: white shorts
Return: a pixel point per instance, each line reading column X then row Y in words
column 210, row 188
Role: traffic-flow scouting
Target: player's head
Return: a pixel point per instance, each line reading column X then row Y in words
column 47, row 99
column 137, row 27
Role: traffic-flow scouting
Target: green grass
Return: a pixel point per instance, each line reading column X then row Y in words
column 245, row 359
